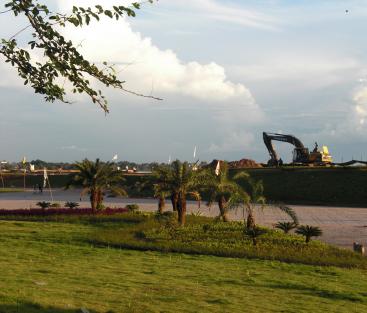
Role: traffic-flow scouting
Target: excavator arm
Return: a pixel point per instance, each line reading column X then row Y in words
column 301, row 151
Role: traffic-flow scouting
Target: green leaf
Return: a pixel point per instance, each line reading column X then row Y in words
column 108, row 13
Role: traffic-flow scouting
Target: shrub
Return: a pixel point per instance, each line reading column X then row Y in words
column 165, row 216
column 254, row 233
column 59, row 211
column 309, row 231
column 55, row 205
column 71, row 205
column 286, row 227
column 132, row 208
column 43, row 204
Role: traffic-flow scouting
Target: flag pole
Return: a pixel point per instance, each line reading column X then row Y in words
column 2, row 178
column 49, row 187
column 45, row 181
column 24, row 170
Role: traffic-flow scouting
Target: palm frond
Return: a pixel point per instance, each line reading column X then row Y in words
column 290, row 212
column 242, row 176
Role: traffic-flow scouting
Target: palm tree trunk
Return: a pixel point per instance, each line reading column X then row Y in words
column 93, row 200
column 174, row 200
column 308, row 239
column 222, row 208
column 99, row 199
column 161, row 204
column 181, row 209
column 250, row 223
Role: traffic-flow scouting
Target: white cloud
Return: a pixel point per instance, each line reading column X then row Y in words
column 312, row 71
column 234, row 142
column 72, row 148
column 146, row 68
column 360, row 108
column 352, row 128
column 227, row 13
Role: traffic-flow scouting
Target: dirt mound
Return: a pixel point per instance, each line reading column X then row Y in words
column 244, row 163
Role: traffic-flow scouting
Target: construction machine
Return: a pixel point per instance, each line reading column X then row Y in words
column 301, row 154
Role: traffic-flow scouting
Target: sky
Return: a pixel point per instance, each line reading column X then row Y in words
column 226, row 71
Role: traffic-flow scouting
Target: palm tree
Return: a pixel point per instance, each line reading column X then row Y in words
column 250, row 196
column 220, row 189
column 96, row 178
column 254, row 233
column 43, row 204
column 183, row 181
column 309, row 231
column 71, row 205
column 161, row 195
column 161, row 186
column 286, row 226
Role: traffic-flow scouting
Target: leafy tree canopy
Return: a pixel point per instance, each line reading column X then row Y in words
column 61, row 60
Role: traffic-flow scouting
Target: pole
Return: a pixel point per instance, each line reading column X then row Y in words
column 49, row 187
column 24, row 171
column 2, row 179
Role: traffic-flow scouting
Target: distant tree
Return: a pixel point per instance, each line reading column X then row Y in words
column 308, row 232
column 61, row 61
column 96, row 178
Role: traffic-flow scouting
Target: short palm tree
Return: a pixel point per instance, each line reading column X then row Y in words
column 71, row 205
column 220, row 189
column 96, row 178
column 254, row 233
column 161, row 186
column 286, row 227
column 182, row 181
column 308, row 232
column 250, row 196
column 43, row 204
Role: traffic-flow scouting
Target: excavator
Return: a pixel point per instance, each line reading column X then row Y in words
column 301, row 154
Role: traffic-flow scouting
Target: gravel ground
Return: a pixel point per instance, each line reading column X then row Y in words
column 341, row 226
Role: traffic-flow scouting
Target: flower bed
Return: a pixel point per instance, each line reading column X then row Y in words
column 61, row 211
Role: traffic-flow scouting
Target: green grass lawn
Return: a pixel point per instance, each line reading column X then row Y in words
column 202, row 235
column 50, row 267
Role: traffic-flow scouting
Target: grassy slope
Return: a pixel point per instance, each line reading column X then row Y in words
column 47, row 268
column 320, row 186
column 204, row 236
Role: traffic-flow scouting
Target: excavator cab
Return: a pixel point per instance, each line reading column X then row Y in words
column 301, row 155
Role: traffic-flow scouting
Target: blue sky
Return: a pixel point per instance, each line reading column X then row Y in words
column 227, row 70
